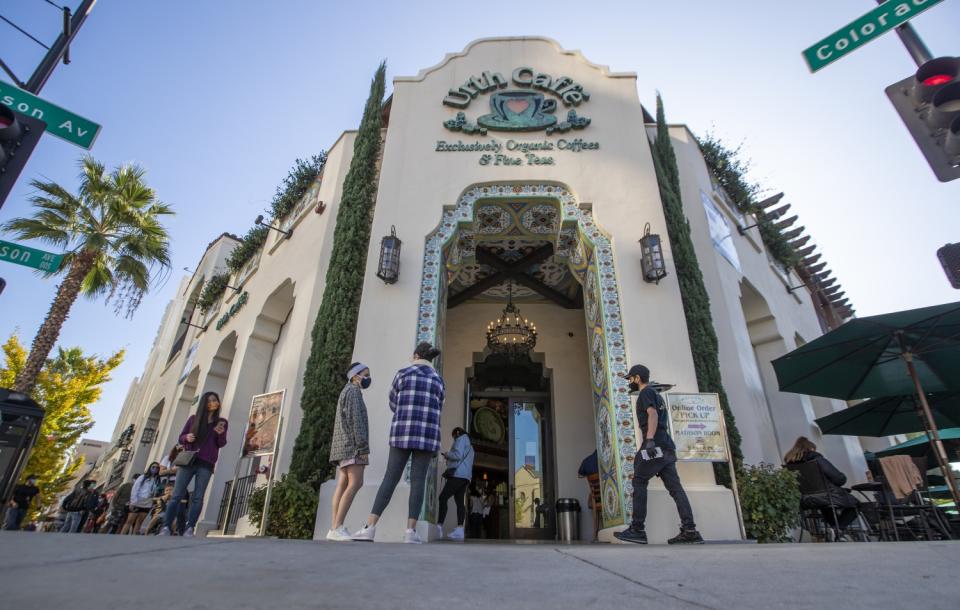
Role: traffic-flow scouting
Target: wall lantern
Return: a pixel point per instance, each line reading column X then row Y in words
column 654, row 269
column 389, row 268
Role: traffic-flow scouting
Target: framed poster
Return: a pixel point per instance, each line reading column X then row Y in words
column 697, row 427
column 263, row 424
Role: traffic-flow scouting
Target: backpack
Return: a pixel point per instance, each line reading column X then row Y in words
column 75, row 502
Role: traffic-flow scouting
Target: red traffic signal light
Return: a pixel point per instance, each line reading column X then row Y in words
column 929, row 105
column 19, row 135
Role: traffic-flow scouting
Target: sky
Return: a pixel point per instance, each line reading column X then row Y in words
column 217, row 99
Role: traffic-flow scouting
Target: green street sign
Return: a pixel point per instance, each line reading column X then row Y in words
column 852, row 36
column 60, row 122
column 29, row 257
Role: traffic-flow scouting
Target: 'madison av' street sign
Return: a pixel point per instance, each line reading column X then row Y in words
column 880, row 20
column 60, row 122
column 29, row 257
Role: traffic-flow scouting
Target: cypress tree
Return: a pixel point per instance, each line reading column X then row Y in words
column 334, row 330
column 693, row 293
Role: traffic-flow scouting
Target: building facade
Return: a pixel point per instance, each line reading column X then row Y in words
column 514, row 171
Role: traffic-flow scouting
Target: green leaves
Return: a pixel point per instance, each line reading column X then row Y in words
column 296, row 184
column 293, row 508
column 248, row 248
column 212, row 291
column 770, row 500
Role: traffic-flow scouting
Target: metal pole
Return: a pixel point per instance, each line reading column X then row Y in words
column 733, row 474
column 911, row 40
column 233, row 492
column 60, row 48
column 936, row 443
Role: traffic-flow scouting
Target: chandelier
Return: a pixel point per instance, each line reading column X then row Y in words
column 511, row 334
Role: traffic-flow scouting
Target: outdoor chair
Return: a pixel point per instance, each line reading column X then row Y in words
column 596, row 502
column 815, row 501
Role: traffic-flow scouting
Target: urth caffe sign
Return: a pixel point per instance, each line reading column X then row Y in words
column 529, row 108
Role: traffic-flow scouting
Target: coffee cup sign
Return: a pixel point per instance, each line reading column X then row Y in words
column 529, row 108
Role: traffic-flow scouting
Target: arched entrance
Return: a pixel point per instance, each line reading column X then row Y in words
column 521, row 224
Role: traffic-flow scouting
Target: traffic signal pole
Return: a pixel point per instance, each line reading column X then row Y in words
column 911, row 40
column 61, row 47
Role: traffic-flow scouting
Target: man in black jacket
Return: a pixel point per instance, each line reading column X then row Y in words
column 75, row 504
column 657, row 457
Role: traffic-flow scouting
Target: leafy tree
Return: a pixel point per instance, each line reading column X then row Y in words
column 334, row 330
column 696, row 302
column 115, row 242
column 66, row 387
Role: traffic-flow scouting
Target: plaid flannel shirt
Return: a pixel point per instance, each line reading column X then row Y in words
column 416, row 398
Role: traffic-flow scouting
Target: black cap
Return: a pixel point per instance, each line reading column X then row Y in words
column 642, row 371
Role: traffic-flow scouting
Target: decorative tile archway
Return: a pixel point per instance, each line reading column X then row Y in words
column 548, row 211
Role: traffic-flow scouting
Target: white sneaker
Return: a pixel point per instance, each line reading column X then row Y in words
column 365, row 534
column 188, row 533
column 411, row 537
column 439, row 531
column 341, row 534
column 164, row 531
column 456, row 534
column 332, row 535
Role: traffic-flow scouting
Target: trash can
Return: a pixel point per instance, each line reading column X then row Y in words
column 568, row 519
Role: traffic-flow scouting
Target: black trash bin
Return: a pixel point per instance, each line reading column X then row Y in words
column 568, row 519
column 20, row 419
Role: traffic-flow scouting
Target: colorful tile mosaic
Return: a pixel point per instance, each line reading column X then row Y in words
column 549, row 211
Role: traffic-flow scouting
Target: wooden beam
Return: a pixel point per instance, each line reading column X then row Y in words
column 515, row 271
column 505, row 271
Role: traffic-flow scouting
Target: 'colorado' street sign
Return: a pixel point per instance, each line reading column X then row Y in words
column 60, row 122
column 29, row 257
column 879, row 21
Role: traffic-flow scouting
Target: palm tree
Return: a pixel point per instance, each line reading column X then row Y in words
column 114, row 241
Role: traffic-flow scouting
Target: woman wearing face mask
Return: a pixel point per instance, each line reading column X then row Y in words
column 349, row 448
column 141, row 499
column 416, row 399
column 204, row 434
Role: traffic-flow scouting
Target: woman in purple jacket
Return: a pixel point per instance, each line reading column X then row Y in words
column 205, row 433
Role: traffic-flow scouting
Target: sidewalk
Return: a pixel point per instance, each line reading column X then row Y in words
column 98, row 571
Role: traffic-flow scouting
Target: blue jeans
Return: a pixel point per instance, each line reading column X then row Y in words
column 15, row 516
column 202, row 472
column 72, row 523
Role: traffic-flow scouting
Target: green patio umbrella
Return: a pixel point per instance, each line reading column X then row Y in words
column 892, row 415
column 907, row 352
column 920, row 446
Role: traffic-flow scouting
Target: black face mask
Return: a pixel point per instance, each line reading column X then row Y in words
column 634, row 387
column 365, row 382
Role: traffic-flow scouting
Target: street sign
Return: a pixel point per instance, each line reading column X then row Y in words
column 879, row 21
column 29, row 257
column 60, row 122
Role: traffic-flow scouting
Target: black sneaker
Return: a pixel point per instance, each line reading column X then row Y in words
column 687, row 537
column 632, row 534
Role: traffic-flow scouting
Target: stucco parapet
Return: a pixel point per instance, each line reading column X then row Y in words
column 603, row 69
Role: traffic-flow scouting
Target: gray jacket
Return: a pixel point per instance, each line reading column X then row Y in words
column 350, row 431
column 460, row 457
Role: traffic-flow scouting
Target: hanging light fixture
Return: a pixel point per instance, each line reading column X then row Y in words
column 389, row 268
column 511, row 334
column 651, row 261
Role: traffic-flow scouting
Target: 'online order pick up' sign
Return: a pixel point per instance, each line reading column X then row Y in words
column 879, row 21
column 696, row 425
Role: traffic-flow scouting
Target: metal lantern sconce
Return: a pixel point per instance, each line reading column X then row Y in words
column 654, row 268
column 389, row 267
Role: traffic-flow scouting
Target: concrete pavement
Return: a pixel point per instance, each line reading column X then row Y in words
column 97, row 571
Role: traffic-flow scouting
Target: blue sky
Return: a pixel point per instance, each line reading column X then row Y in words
column 217, row 99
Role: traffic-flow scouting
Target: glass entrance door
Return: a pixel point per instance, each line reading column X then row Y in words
column 531, row 470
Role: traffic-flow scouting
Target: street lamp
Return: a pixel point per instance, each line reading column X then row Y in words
column 288, row 233
column 654, row 269
column 389, row 268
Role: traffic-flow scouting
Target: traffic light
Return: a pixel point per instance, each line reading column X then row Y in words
column 949, row 256
column 19, row 135
column 929, row 104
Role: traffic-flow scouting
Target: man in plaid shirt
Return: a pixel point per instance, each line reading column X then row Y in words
column 416, row 398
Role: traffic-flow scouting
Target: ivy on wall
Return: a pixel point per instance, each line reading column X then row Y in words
column 249, row 245
column 335, row 327
column 696, row 302
column 212, row 291
column 730, row 170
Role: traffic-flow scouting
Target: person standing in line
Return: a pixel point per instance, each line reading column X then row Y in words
column 23, row 495
column 141, row 499
column 458, row 474
column 204, row 434
column 74, row 505
column 168, row 475
column 657, row 457
column 479, row 507
column 119, row 506
column 349, row 448
column 416, row 398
